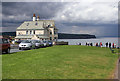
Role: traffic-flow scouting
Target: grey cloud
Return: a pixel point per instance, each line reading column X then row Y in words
column 43, row 9
column 23, row 11
column 11, row 24
column 90, row 24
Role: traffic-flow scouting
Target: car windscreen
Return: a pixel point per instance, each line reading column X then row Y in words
column 37, row 41
column 34, row 41
column 26, row 41
column 4, row 41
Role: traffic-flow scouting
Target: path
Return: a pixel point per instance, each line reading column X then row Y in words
column 117, row 71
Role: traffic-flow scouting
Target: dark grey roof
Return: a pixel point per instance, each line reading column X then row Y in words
column 36, row 24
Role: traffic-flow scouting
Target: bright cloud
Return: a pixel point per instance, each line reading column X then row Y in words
column 88, row 12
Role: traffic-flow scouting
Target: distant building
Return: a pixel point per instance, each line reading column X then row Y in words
column 37, row 29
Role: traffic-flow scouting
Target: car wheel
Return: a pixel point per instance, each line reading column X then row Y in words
column 34, row 47
column 30, row 48
column 19, row 48
column 8, row 50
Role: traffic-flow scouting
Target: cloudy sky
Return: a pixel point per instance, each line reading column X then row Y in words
column 98, row 18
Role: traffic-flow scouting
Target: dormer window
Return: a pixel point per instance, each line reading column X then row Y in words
column 27, row 24
column 36, row 23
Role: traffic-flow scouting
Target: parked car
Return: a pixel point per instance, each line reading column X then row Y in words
column 38, row 43
column 4, row 45
column 50, row 43
column 42, row 44
column 26, row 44
column 46, row 43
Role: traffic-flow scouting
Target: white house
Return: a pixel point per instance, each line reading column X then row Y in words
column 37, row 29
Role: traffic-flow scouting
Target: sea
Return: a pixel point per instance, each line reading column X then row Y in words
column 104, row 40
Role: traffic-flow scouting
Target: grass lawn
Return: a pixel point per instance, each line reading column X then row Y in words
column 60, row 62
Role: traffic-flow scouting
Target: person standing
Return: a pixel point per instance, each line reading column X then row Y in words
column 113, row 45
column 106, row 44
column 79, row 43
column 100, row 44
column 96, row 44
column 91, row 44
column 109, row 45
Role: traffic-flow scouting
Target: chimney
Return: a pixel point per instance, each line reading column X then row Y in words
column 38, row 18
column 34, row 17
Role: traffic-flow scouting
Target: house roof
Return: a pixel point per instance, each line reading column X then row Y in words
column 41, row 24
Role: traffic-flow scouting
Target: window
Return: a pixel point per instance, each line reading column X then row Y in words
column 55, row 32
column 50, row 38
column 27, row 32
column 33, row 31
column 36, row 23
column 48, row 25
column 50, row 32
column 30, row 32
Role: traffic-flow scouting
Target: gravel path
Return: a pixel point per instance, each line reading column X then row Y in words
column 15, row 50
column 117, row 71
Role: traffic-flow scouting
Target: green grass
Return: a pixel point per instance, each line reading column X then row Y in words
column 60, row 62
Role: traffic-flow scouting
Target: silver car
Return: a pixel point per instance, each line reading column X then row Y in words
column 38, row 43
column 26, row 44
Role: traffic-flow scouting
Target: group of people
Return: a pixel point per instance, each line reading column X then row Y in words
column 110, row 45
column 89, row 44
column 107, row 44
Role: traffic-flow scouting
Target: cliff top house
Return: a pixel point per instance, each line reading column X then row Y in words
column 37, row 30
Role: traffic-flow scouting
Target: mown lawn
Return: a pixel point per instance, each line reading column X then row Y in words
column 60, row 62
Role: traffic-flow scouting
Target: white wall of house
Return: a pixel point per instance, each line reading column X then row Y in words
column 20, row 32
column 39, row 31
column 24, row 32
column 35, row 37
column 52, row 30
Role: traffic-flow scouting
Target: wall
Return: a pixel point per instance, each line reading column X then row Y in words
column 39, row 31
column 21, row 32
